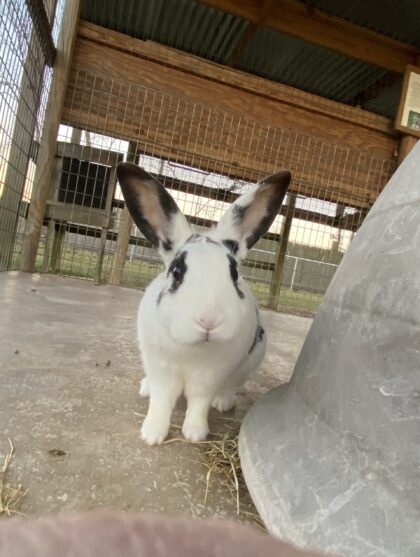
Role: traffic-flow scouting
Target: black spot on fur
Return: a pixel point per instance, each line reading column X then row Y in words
column 143, row 224
column 261, row 229
column 177, row 270
column 159, row 298
column 166, row 245
column 167, row 202
column 233, row 266
column 259, row 335
column 239, row 215
column 271, row 193
column 239, row 212
column 232, row 246
column 128, row 174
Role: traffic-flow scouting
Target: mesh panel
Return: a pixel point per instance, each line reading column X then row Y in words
column 24, row 85
column 206, row 158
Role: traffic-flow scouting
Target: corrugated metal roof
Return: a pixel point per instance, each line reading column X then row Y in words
column 399, row 19
column 306, row 66
column 181, row 24
column 204, row 31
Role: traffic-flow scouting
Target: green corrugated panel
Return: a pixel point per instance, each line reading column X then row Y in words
column 212, row 34
column 398, row 19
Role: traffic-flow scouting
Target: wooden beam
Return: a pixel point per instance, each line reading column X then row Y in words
column 406, row 144
column 95, row 155
column 294, row 18
column 235, row 79
column 281, row 253
column 371, row 92
column 124, row 232
column 249, row 33
column 46, row 155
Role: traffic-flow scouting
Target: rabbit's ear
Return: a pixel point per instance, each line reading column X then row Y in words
column 251, row 215
column 153, row 210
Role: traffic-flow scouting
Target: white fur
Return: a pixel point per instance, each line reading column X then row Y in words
column 175, row 356
column 201, row 335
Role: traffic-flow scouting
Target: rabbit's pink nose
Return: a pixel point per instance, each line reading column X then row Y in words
column 208, row 323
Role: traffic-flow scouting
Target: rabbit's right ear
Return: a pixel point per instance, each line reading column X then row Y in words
column 252, row 214
column 153, row 210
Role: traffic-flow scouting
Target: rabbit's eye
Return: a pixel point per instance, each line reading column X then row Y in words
column 177, row 274
column 177, row 270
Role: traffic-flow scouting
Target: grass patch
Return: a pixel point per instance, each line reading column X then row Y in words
column 293, row 301
column 299, row 300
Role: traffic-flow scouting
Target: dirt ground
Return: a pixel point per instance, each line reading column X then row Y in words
column 69, row 373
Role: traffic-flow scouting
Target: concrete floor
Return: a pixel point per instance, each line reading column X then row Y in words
column 69, row 373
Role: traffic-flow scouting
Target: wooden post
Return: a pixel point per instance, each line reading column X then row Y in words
column 49, row 240
column 124, row 233
column 57, row 246
column 406, row 144
column 52, row 225
column 46, row 155
column 104, row 230
column 76, row 136
column 335, row 244
column 281, row 253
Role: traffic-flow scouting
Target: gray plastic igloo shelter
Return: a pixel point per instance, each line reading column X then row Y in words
column 332, row 460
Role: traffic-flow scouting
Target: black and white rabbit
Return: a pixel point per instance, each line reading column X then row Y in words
column 199, row 326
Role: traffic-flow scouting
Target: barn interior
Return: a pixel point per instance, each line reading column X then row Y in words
column 209, row 96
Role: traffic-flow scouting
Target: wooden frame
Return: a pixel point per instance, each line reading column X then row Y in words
column 315, row 26
column 411, row 76
column 46, row 155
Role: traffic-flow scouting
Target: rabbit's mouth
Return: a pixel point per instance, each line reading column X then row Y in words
column 199, row 336
column 205, row 336
column 210, row 337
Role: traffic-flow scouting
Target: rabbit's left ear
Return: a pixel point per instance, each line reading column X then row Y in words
column 252, row 214
column 153, row 210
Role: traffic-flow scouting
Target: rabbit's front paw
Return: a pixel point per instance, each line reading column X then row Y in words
column 224, row 401
column 195, row 432
column 144, row 387
column 153, row 432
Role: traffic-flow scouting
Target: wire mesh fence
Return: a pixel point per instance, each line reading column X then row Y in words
column 206, row 158
column 26, row 54
column 204, row 155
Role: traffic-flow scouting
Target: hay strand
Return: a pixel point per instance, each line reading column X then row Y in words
column 220, row 455
column 10, row 496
